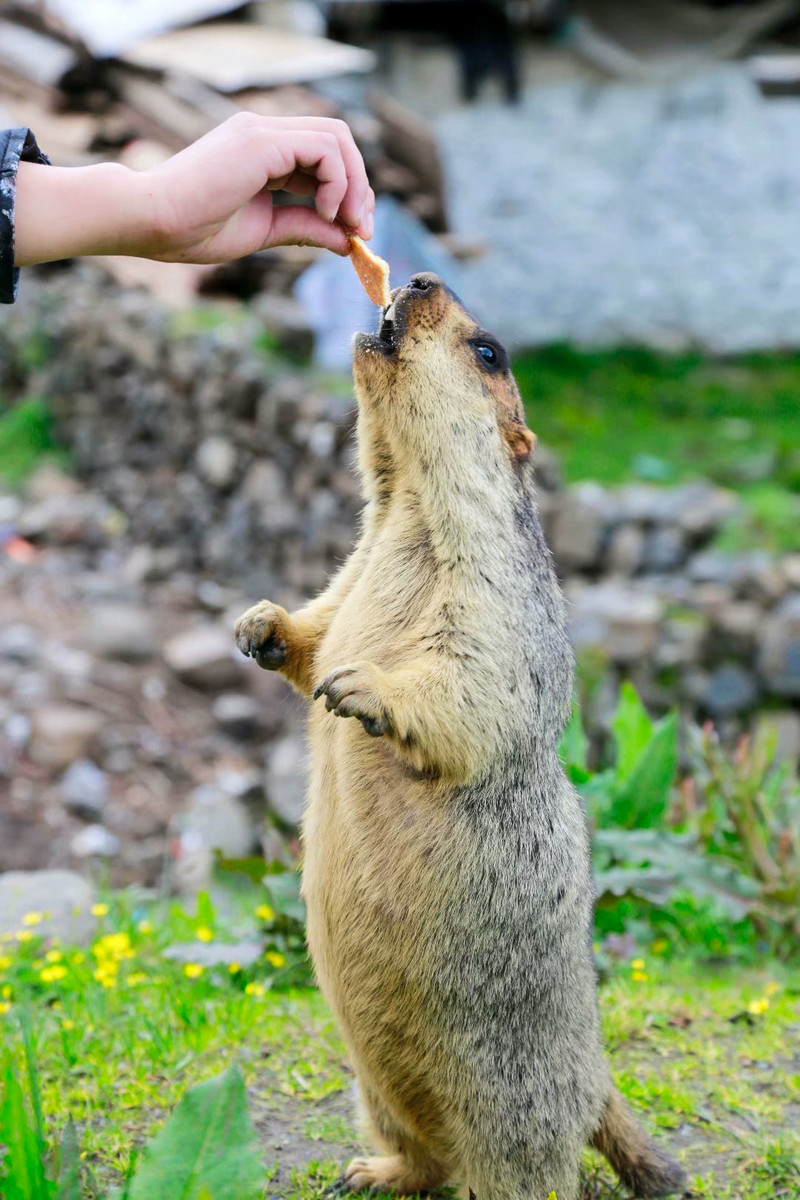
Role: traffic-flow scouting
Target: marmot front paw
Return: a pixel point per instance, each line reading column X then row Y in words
column 352, row 692
column 261, row 634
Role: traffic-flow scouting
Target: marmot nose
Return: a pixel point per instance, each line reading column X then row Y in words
column 426, row 281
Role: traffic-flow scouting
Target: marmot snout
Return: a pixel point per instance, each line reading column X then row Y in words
column 447, row 872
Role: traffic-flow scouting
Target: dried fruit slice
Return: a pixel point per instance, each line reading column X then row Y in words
column 371, row 270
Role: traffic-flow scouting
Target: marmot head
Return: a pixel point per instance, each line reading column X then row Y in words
column 435, row 382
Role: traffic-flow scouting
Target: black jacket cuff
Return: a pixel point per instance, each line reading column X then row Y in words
column 16, row 146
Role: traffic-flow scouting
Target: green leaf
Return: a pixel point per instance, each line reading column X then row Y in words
column 24, row 1177
column 643, row 799
column 69, row 1165
column 207, row 1148
column 573, row 748
column 205, row 910
column 632, row 728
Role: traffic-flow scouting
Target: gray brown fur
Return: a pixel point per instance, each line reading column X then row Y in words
column 447, row 871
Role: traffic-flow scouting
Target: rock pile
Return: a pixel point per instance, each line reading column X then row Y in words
column 206, row 475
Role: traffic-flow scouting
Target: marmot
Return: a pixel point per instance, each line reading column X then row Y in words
column 447, row 872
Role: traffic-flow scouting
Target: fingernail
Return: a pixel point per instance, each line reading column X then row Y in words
column 367, row 222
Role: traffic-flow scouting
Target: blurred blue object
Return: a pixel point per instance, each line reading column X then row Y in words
column 333, row 298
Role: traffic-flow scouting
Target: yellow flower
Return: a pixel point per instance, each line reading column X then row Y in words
column 67, row 1024
column 113, row 946
column 640, row 977
column 637, row 964
column 33, row 918
column 145, row 927
column 265, row 913
column 52, row 974
column 99, row 910
column 275, row 959
column 6, row 992
column 254, row 989
column 758, row 1007
column 771, row 988
column 136, row 978
column 204, row 934
column 24, row 935
column 53, row 956
column 5, row 962
column 108, row 981
column 193, row 970
column 234, row 969
column 78, row 958
column 660, row 946
column 4, row 1008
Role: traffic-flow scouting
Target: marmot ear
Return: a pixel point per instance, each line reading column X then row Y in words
column 521, row 441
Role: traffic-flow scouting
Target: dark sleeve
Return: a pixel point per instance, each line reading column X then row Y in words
column 16, row 145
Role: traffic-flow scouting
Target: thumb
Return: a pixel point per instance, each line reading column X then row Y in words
column 294, row 225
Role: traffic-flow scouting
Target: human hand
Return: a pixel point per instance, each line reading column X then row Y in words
column 213, row 201
column 210, row 203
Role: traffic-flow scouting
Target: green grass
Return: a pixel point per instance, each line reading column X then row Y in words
column 616, row 415
column 712, row 1061
column 624, row 415
column 25, row 440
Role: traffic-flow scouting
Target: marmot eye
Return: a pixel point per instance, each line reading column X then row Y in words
column 487, row 353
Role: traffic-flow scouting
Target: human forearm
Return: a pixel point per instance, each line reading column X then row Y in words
column 64, row 212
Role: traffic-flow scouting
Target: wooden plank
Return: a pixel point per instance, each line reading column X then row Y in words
column 232, row 57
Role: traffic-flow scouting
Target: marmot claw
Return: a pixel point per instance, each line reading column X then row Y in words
column 258, row 636
column 350, row 692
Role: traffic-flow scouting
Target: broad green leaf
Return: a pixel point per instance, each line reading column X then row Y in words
column 208, row 1148
column 573, row 748
column 69, row 1165
column 632, row 728
column 643, row 799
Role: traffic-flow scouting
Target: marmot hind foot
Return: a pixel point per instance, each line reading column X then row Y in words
column 381, row 1174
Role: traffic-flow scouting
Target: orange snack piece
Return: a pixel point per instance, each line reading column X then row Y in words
column 371, row 270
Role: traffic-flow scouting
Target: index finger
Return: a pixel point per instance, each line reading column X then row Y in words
column 355, row 210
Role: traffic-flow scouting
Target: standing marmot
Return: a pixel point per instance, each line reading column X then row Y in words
column 447, row 871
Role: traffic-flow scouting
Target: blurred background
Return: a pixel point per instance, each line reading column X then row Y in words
column 615, row 190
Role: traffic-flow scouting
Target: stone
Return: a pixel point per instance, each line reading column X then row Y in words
column 665, row 549
column 286, row 320
column 580, row 525
column 213, row 820
column 63, row 898
column 18, row 643
column 62, row 733
column 759, row 578
column 84, row 789
column 624, row 624
column 237, row 715
column 790, row 567
column 736, row 630
column 782, row 725
column 709, row 566
column 700, row 510
column 95, row 841
column 217, row 462
column 245, row 786
column 730, row 689
column 287, row 779
column 215, row 954
column 205, row 657
column 120, row 631
column 779, row 661
column 626, row 549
